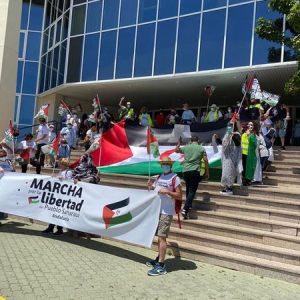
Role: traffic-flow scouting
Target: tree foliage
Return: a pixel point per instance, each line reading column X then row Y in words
column 272, row 30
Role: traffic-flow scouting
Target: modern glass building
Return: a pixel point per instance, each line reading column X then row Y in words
column 156, row 52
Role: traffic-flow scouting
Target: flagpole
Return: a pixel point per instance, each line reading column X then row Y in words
column 208, row 100
column 100, row 151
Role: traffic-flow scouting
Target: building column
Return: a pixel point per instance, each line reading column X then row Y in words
column 10, row 17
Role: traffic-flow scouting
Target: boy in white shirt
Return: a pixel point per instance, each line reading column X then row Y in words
column 168, row 187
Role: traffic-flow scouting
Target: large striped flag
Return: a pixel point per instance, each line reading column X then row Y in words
column 152, row 143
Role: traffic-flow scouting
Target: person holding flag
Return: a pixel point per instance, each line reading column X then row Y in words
column 41, row 140
column 9, row 143
column 27, row 150
column 168, row 187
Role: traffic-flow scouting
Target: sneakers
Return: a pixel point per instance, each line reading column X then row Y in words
column 157, row 270
column 185, row 214
column 227, row 191
column 58, row 233
column 151, row 263
column 47, row 230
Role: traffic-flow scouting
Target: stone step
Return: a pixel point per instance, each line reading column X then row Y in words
column 241, row 233
column 287, row 161
column 204, row 199
column 253, row 211
column 240, row 262
column 237, row 246
column 288, row 228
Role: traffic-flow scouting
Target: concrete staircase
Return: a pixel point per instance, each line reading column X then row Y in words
column 256, row 230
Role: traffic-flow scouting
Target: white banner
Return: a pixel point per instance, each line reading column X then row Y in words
column 129, row 215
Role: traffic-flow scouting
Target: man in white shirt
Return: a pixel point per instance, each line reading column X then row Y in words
column 41, row 140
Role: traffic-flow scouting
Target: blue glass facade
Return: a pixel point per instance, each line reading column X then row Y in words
column 28, row 61
column 116, row 39
column 97, row 40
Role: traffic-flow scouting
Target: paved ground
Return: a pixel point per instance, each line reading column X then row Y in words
column 33, row 266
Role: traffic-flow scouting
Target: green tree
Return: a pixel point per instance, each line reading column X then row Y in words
column 272, row 30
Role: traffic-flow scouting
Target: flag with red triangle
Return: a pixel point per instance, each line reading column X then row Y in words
column 152, row 143
column 55, row 145
column 43, row 112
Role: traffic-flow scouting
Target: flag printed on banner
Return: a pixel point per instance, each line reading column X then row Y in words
column 270, row 99
column 152, row 143
column 116, row 213
column 208, row 90
column 43, row 112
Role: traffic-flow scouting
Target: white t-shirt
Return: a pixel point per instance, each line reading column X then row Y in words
column 42, row 130
column 66, row 174
column 28, row 144
column 167, row 203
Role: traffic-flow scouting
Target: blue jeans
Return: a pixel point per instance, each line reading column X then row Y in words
column 192, row 179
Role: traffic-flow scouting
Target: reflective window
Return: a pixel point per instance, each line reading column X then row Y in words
column 36, row 15
column 30, row 77
column 167, row 8
column 65, row 25
column 42, row 73
column 90, row 60
column 289, row 54
column 128, row 12
column 78, row 20
column 60, row 6
column 58, row 31
column 21, row 44
column 74, row 62
column 187, row 47
column 125, row 52
column 94, row 16
column 214, row 3
column 16, row 109
column 239, row 32
column 165, row 46
column 212, row 40
column 238, row 1
column 19, row 76
column 188, row 6
column 107, row 55
column 54, row 67
column 48, row 70
column 51, row 36
column 265, row 51
column 144, row 50
column 33, row 45
column 67, row 4
column 45, row 40
column 147, row 10
column 25, row 12
column 27, row 109
column 48, row 12
column 78, row 1
column 110, row 14
column 62, row 60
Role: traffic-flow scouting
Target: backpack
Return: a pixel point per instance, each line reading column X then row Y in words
column 178, row 203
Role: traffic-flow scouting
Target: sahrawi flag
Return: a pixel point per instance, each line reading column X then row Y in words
column 247, row 85
column 43, row 112
column 8, row 135
column 55, row 145
column 152, row 143
column 63, row 108
column 96, row 103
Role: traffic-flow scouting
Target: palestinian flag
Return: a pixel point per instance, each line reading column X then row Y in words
column 208, row 90
column 55, row 145
column 96, row 103
column 9, row 134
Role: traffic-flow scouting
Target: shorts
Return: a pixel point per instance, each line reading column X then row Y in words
column 281, row 132
column 164, row 225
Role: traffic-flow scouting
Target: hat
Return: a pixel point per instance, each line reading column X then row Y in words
column 65, row 162
column 128, row 103
column 213, row 106
column 166, row 161
column 51, row 126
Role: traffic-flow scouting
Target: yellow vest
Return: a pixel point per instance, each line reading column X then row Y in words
column 202, row 167
column 245, row 143
column 216, row 116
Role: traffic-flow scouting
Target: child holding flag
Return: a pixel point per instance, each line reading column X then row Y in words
column 168, row 187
